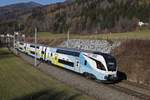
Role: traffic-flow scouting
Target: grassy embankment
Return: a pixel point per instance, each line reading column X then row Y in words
column 133, row 57
column 56, row 39
column 19, row 80
column 114, row 36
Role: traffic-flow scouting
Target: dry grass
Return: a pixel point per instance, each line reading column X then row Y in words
column 133, row 58
column 144, row 35
column 53, row 42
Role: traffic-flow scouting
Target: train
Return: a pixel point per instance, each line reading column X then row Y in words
column 95, row 65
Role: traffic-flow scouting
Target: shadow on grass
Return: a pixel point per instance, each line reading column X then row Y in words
column 4, row 55
column 49, row 95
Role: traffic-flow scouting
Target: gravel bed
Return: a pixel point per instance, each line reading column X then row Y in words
column 92, row 45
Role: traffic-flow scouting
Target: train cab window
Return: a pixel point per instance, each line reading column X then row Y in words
column 100, row 65
column 85, row 62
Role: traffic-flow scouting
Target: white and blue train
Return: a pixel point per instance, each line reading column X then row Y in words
column 94, row 65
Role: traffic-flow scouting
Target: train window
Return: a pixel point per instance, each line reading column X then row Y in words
column 20, row 48
column 85, row 62
column 21, row 43
column 32, row 52
column 71, row 64
column 72, row 53
column 100, row 65
column 32, row 46
column 51, row 54
column 42, row 52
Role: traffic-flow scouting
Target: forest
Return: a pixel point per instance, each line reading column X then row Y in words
column 79, row 16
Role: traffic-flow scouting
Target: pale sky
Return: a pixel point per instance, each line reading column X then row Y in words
column 44, row 2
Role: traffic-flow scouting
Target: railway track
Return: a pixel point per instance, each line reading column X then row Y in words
column 143, row 93
column 131, row 92
column 127, row 88
column 93, row 88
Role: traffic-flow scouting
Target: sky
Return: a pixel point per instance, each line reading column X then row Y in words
column 44, row 2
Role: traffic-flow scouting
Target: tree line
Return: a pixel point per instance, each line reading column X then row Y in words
column 86, row 16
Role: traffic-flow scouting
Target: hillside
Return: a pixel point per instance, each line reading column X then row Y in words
column 14, row 11
column 133, row 59
column 11, row 16
column 91, row 16
column 82, row 16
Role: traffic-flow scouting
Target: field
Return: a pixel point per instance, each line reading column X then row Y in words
column 20, row 81
column 53, row 40
column 114, row 36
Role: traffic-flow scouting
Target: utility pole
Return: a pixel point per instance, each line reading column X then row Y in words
column 19, row 27
column 68, row 33
column 23, row 36
column 35, row 62
column 16, row 41
column 7, row 40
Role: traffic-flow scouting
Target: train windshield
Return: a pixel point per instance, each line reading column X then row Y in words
column 110, row 61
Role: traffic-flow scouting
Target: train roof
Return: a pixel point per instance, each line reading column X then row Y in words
column 70, row 49
column 75, row 50
column 105, row 55
column 81, row 50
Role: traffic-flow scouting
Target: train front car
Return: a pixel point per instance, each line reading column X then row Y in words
column 101, row 66
column 111, row 67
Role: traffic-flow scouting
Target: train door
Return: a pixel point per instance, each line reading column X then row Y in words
column 55, row 59
column 48, row 54
column 77, row 65
column 43, row 53
column 52, row 55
